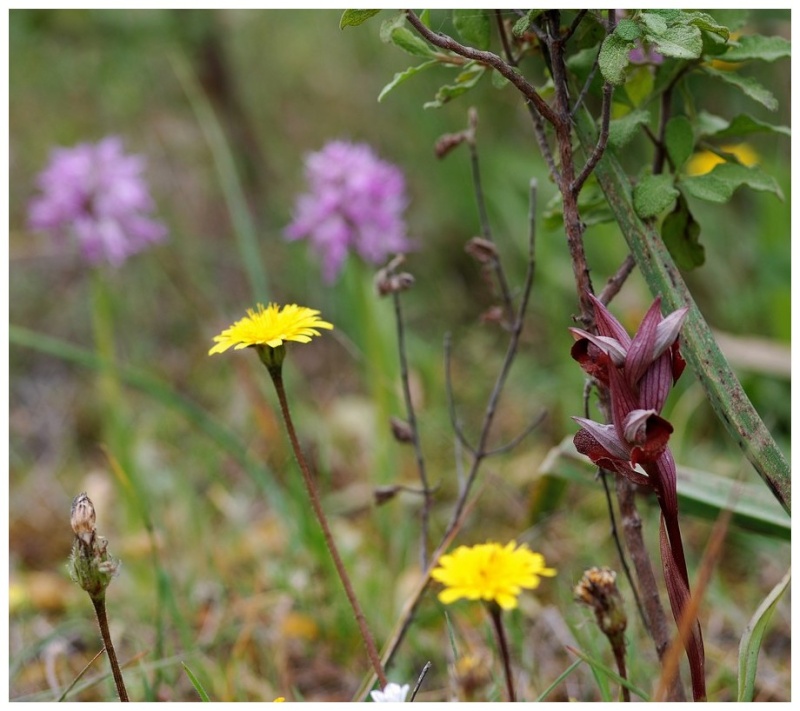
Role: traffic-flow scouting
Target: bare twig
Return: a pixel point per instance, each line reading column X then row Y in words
column 602, row 140
column 489, row 59
column 420, row 679
column 486, row 229
column 501, row 30
column 412, row 423
column 615, row 282
column 480, row 451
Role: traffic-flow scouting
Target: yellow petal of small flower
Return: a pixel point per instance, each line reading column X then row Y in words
column 490, row 572
column 271, row 327
column 705, row 161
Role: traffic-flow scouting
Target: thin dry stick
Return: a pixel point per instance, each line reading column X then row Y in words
column 412, row 423
column 480, row 452
column 311, row 487
column 486, row 230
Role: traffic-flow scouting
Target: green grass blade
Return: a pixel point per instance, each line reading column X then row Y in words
column 725, row 393
column 571, row 668
column 243, row 225
column 750, row 644
column 700, row 493
column 161, row 392
column 601, row 668
column 198, row 687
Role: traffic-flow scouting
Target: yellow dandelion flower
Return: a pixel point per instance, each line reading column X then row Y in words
column 271, row 327
column 490, row 572
column 704, row 162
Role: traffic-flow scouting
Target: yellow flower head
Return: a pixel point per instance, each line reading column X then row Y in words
column 705, row 161
column 271, row 327
column 490, row 572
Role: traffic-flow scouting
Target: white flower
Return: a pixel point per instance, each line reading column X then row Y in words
column 391, row 692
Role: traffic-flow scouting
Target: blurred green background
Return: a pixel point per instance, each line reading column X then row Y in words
column 223, row 567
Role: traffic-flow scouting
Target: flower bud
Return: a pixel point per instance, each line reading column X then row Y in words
column 598, row 589
column 83, row 518
column 401, row 430
column 481, row 250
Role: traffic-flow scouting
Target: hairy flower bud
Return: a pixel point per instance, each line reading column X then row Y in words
column 598, row 589
column 83, row 518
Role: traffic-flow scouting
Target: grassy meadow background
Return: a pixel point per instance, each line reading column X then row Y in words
column 184, row 455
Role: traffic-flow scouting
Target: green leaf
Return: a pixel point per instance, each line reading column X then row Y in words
column 767, row 49
column 390, row 25
column 613, row 58
column 700, row 493
column 521, row 26
column 679, row 139
column 198, row 687
column 742, row 125
column 639, row 85
column 681, row 234
column 400, row 77
column 622, row 130
column 750, row 644
column 653, row 195
column 679, row 41
column 709, row 24
column 425, row 18
column 499, row 81
column 474, row 26
column 747, row 85
column 464, row 82
column 628, row 30
column 354, row 18
column 720, row 184
column 411, row 43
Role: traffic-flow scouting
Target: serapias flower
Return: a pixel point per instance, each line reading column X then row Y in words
column 490, row 572
column 95, row 193
column 639, row 373
column 391, row 693
column 355, row 202
column 271, row 326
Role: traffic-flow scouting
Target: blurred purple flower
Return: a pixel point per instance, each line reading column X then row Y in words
column 96, row 193
column 355, row 202
column 638, row 55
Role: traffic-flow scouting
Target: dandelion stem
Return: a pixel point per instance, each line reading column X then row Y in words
column 502, row 643
column 372, row 650
column 99, row 602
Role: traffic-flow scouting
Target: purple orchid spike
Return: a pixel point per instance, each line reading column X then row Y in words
column 355, row 203
column 95, row 193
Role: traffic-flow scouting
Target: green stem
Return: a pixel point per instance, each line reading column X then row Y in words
column 311, row 487
column 99, row 603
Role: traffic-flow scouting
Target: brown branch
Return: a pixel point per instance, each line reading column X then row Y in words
column 489, row 59
column 615, row 282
